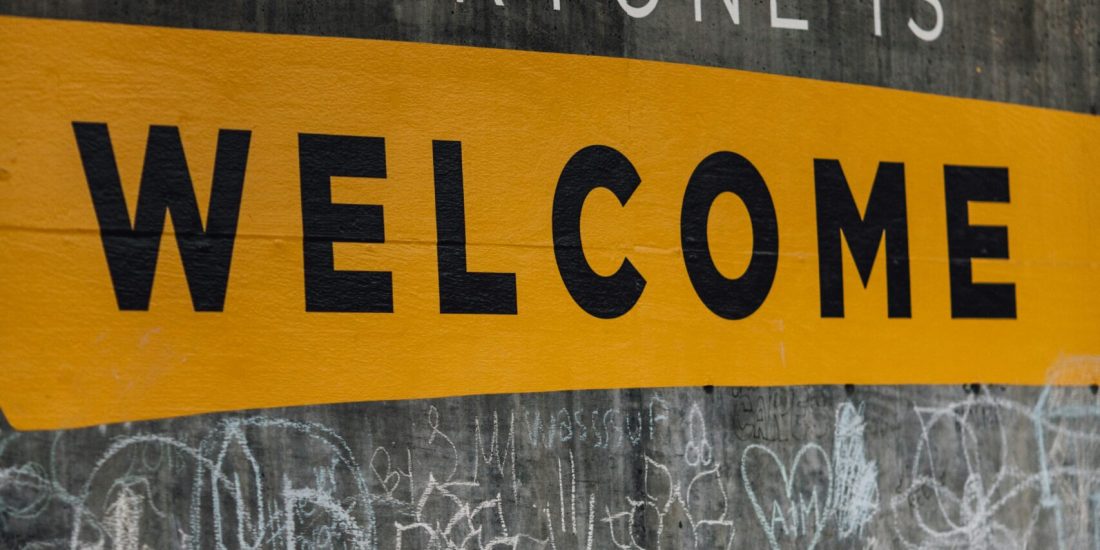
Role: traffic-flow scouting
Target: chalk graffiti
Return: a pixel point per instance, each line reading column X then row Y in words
column 868, row 468
column 815, row 490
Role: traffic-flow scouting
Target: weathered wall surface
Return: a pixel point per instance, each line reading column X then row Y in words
column 1035, row 52
column 804, row 467
column 799, row 467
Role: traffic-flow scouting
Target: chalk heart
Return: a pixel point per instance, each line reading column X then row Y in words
column 800, row 504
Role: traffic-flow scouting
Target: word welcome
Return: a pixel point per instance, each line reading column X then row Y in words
column 206, row 250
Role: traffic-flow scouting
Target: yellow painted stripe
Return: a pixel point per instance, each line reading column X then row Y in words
column 69, row 357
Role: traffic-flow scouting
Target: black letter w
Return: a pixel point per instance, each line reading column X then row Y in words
column 165, row 187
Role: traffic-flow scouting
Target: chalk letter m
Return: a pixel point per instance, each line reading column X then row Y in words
column 132, row 249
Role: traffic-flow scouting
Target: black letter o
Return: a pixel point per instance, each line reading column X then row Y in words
column 720, row 173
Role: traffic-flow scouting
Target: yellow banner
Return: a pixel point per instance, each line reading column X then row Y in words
column 349, row 220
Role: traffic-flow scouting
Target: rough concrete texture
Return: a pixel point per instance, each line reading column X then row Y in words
column 802, row 467
column 1035, row 52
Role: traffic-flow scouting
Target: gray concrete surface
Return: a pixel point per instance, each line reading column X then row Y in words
column 801, row 467
column 1036, row 52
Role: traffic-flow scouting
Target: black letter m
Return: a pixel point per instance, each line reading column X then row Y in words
column 165, row 187
column 884, row 217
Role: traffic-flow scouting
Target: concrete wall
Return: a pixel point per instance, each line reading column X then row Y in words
column 1035, row 52
column 802, row 467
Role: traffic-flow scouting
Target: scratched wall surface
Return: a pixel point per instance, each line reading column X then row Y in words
column 1035, row 52
column 801, row 467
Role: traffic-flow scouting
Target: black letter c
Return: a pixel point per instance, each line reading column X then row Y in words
column 592, row 167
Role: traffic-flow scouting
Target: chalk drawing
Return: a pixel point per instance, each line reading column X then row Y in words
column 855, row 477
column 680, row 468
